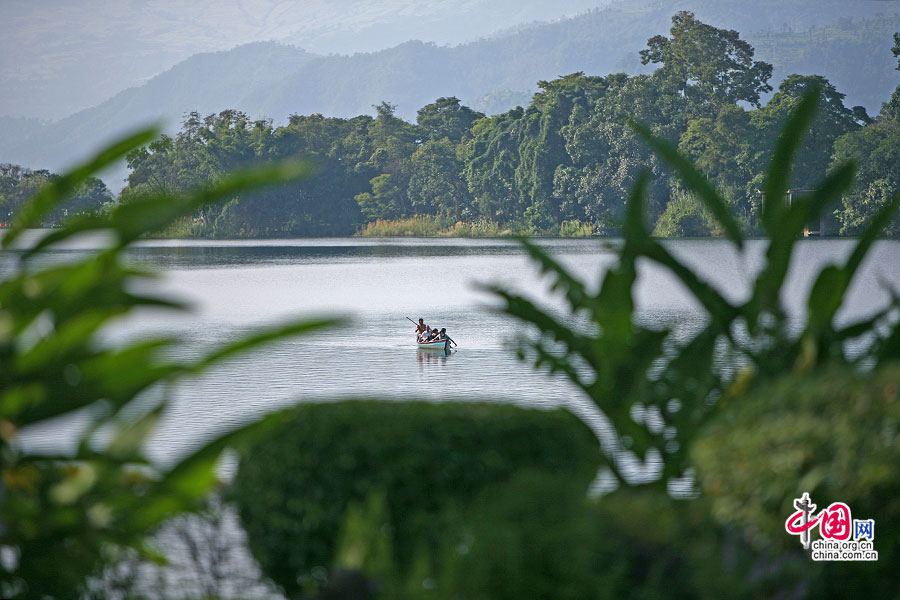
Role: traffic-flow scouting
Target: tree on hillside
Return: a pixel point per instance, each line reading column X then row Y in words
column 491, row 157
column 574, row 84
column 393, row 141
column 891, row 108
column 15, row 190
column 446, row 118
column 390, row 132
column 606, row 155
column 707, row 65
column 89, row 197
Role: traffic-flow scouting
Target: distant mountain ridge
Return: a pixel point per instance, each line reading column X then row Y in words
column 493, row 74
column 207, row 82
column 61, row 56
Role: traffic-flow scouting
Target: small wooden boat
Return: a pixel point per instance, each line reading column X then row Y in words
column 437, row 344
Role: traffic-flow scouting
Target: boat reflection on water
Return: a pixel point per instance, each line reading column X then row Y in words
column 432, row 356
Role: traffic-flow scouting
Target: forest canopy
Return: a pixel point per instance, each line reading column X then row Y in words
column 562, row 164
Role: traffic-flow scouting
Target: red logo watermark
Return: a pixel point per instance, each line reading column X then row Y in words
column 842, row 537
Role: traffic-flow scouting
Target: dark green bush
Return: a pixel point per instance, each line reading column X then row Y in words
column 538, row 537
column 293, row 489
column 835, row 435
column 683, row 217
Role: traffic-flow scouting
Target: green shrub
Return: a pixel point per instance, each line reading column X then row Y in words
column 538, row 537
column 292, row 490
column 431, row 226
column 832, row 434
column 575, row 228
column 683, row 217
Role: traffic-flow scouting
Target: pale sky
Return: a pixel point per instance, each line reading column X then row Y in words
column 88, row 50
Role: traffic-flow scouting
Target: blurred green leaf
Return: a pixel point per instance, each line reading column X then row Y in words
column 660, row 387
column 826, row 297
column 62, row 514
column 574, row 290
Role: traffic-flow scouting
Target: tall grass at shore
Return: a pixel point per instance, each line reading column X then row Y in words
column 429, row 226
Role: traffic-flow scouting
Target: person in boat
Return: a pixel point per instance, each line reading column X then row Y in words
column 431, row 336
column 421, row 330
column 442, row 334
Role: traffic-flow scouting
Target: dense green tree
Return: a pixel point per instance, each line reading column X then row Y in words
column 684, row 217
column 385, row 201
column 568, row 156
column 707, row 65
column 436, row 185
column 393, row 139
column 18, row 185
column 572, row 85
column 89, row 197
column 446, row 118
column 542, row 151
column 153, row 169
column 722, row 147
column 891, row 108
column 717, row 144
column 208, row 147
column 491, row 159
column 876, row 151
column 832, row 120
column 607, row 156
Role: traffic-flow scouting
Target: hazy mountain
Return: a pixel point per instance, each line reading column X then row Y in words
column 61, row 56
column 208, row 82
column 854, row 55
column 492, row 74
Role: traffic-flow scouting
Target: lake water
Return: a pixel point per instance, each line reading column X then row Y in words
column 236, row 286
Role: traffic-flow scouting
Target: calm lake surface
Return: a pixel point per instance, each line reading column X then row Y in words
column 235, row 286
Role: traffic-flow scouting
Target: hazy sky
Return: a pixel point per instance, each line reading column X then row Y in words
column 87, row 50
